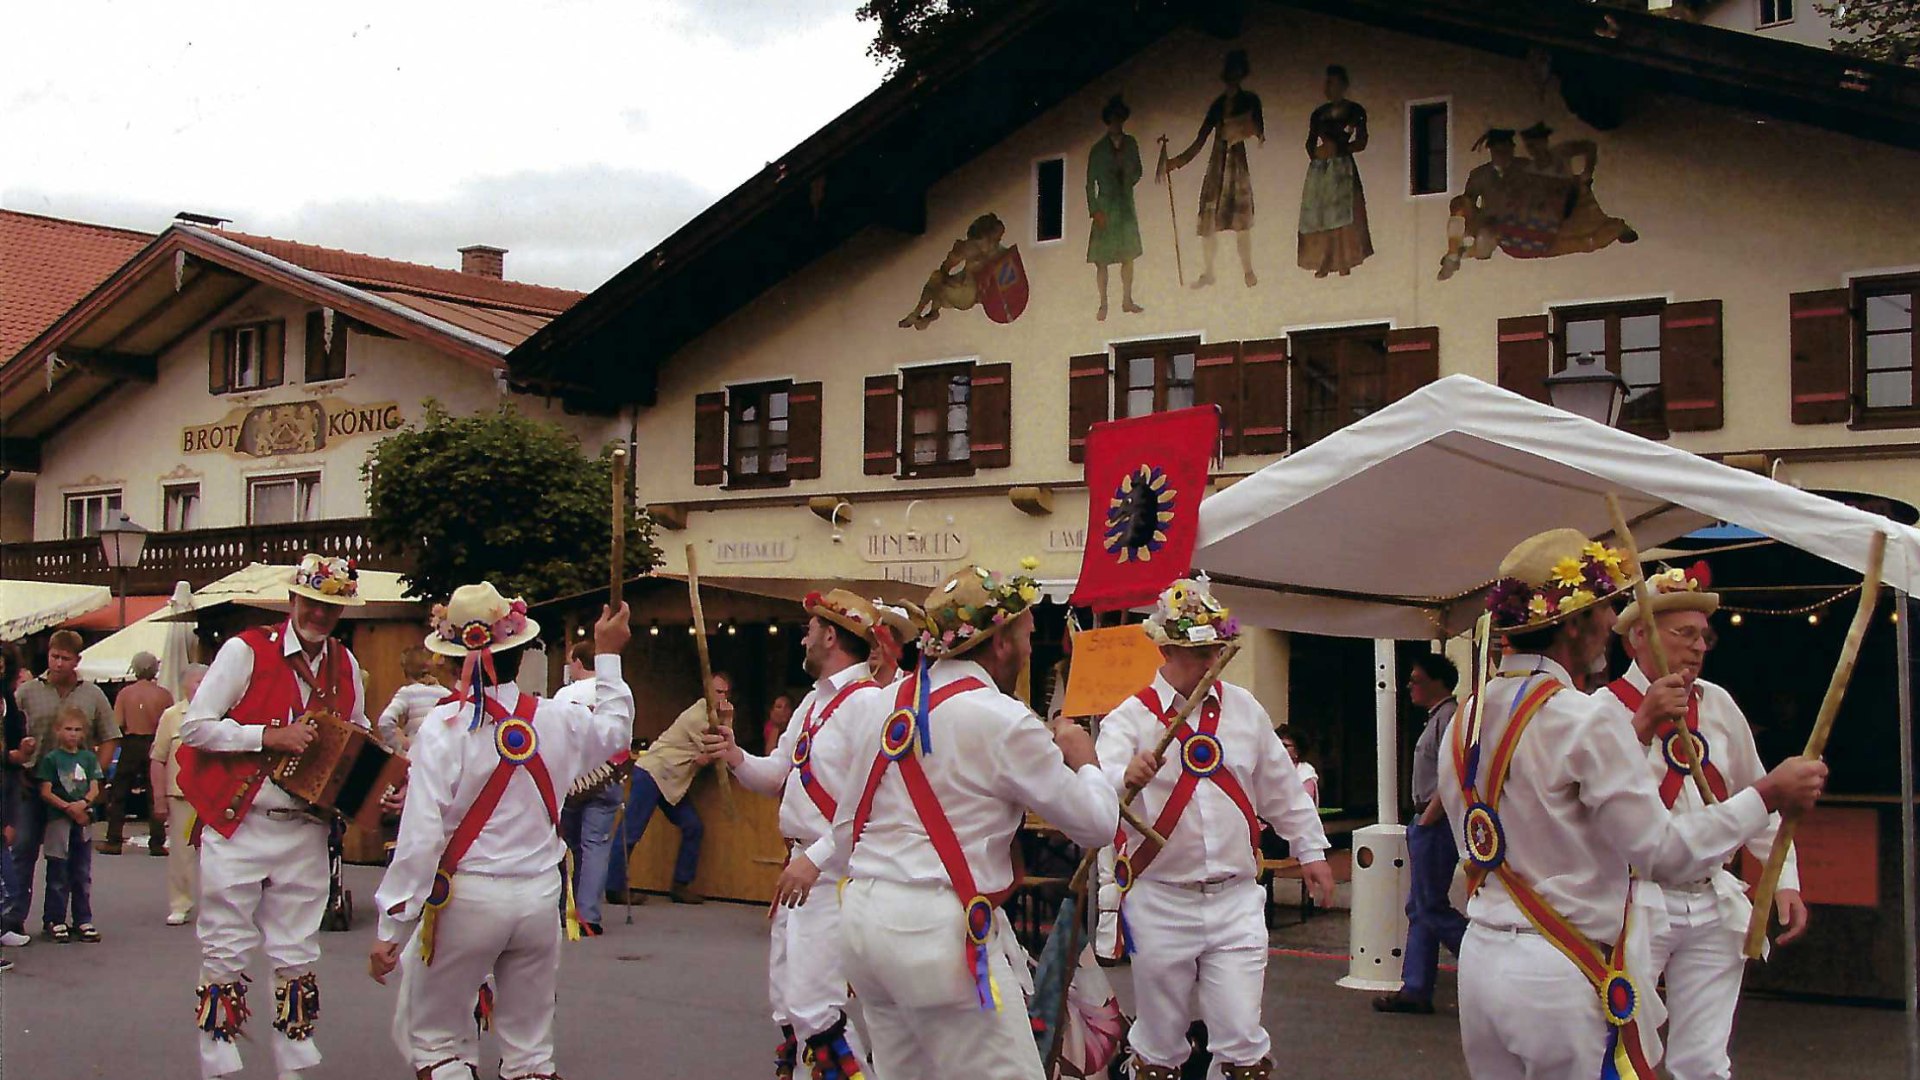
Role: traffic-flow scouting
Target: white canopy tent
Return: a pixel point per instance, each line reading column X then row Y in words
column 28, row 607
column 110, row 659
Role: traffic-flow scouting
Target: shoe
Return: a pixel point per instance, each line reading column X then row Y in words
column 88, row 934
column 1397, row 1002
column 102, row 847
column 58, row 933
column 14, row 939
column 6, row 965
column 176, row 918
column 590, row 929
column 157, row 852
column 684, row 894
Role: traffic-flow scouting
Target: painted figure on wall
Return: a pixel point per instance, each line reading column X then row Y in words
column 1333, row 206
column 1113, row 169
column 1534, row 207
column 978, row 271
column 1585, row 227
column 1226, row 194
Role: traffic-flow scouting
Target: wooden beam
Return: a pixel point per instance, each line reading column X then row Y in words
column 205, row 276
column 134, row 367
column 669, row 516
column 19, row 455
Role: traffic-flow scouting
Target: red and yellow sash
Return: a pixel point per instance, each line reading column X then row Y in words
column 1201, row 758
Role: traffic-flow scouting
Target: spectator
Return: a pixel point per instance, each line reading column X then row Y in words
column 412, row 702
column 13, row 786
column 69, row 776
column 137, row 711
column 1431, row 852
column 661, row 777
column 1309, row 776
column 777, row 717
column 587, row 822
column 42, row 699
column 170, row 806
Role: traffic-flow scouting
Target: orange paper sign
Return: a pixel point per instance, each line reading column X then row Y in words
column 1110, row 665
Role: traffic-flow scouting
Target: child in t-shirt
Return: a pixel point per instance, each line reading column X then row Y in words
column 69, row 776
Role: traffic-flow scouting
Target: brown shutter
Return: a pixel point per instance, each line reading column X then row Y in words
column 882, row 446
column 219, row 344
column 1263, row 397
column 1691, row 366
column 1821, row 342
column 1525, row 356
column 314, row 360
column 1413, row 360
column 1216, row 381
column 1088, row 385
column 273, row 346
column 803, row 431
column 991, row 415
column 710, row 437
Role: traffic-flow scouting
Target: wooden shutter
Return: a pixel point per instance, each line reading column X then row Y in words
column 803, row 431
column 1524, row 356
column 1413, row 360
column 710, row 438
column 1216, row 381
column 990, row 410
column 1088, row 385
column 882, row 446
column 1692, row 361
column 1263, row 397
column 219, row 345
column 273, row 353
column 1820, row 339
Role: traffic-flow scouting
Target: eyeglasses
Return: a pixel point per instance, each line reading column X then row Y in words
column 1693, row 636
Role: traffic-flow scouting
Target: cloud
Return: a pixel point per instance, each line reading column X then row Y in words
column 754, row 22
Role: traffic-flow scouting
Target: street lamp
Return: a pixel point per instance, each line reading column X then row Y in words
column 1586, row 388
column 122, row 542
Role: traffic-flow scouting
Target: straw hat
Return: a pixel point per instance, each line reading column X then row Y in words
column 328, row 580
column 844, row 610
column 1674, row 589
column 1188, row 616
column 1553, row 576
column 973, row 604
column 477, row 617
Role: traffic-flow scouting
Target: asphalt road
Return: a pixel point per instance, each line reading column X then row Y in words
column 681, row 993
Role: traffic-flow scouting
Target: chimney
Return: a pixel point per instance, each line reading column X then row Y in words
column 484, row 261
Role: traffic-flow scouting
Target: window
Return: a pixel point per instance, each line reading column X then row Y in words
column 243, row 358
column 936, row 419
column 1050, row 199
column 1427, row 148
column 247, row 357
column 279, row 500
column 87, row 511
column 1627, row 336
column 1154, row 376
column 757, row 434
column 1339, row 376
column 181, row 507
column 1775, row 12
column 1885, row 380
column 325, row 363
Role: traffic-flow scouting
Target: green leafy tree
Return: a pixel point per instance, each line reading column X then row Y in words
column 498, row 497
column 906, row 32
column 1884, row 30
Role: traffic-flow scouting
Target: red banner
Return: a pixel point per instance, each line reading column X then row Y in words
column 1145, row 478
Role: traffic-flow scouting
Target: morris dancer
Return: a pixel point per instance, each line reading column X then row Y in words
column 263, row 854
column 940, row 773
column 1193, row 909
column 1554, row 980
column 807, row 983
column 1699, row 950
column 477, row 880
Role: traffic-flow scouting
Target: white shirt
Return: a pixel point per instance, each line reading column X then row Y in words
column 800, row 817
column 1211, row 842
column 208, row 727
column 1580, row 805
column 452, row 764
column 410, row 705
column 992, row 760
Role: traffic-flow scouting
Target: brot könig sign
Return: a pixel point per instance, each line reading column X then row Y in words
column 293, row 427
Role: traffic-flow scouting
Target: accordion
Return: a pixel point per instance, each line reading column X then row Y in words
column 344, row 769
column 598, row 779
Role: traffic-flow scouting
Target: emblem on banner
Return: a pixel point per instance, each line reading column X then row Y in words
column 1002, row 286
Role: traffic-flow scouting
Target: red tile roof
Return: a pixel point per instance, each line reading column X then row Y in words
column 47, row 265
column 371, row 271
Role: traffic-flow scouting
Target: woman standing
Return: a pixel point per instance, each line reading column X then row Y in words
column 1226, row 195
column 1113, row 168
column 1333, row 207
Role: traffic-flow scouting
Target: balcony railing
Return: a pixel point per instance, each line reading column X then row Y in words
column 198, row 557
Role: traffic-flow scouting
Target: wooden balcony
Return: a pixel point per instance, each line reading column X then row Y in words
column 198, row 557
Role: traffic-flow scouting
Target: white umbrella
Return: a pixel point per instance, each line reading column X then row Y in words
column 177, row 652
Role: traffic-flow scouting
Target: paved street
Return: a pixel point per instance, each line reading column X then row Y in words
column 680, row 993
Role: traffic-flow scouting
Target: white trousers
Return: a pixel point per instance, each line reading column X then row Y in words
column 1701, row 956
column 1526, row 1013
column 806, row 980
column 183, row 859
column 906, row 958
column 1206, row 949
column 506, row 927
column 266, row 890
column 1108, row 943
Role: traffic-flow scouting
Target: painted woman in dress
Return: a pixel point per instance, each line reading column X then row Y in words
column 1113, row 168
column 1226, row 195
column 1333, row 207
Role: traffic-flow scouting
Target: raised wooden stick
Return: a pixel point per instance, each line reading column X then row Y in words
column 619, row 565
column 1817, row 743
column 706, row 669
column 1643, row 597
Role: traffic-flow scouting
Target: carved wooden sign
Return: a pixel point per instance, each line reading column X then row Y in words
column 292, row 427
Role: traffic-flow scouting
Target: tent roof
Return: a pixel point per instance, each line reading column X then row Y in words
column 264, row 585
column 1393, row 527
column 27, row 607
column 111, row 658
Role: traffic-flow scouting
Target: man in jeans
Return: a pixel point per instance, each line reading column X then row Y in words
column 42, row 699
column 587, row 822
column 1431, row 852
column 137, row 711
column 661, row 776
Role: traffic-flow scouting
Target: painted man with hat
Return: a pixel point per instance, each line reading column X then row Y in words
column 263, row 851
column 1555, row 804
column 477, row 886
column 806, row 981
column 941, row 770
column 1699, row 948
column 1193, row 910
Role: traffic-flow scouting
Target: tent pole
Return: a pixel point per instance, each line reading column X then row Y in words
column 1386, row 715
column 1911, row 952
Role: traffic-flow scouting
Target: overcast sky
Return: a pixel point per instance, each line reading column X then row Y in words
column 576, row 133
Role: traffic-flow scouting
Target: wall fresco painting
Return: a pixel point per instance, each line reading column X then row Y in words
column 1333, row 206
column 1533, row 207
column 1113, row 170
column 1226, row 193
column 979, row 271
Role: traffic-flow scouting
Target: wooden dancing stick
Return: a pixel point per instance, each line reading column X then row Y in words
column 706, row 669
column 1162, row 172
column 1643, row 597
column 1817, row 743
column 619, row 564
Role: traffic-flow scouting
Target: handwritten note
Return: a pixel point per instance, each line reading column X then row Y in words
column 1110, row 665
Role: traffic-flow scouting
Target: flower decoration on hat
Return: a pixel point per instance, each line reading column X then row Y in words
column 1187, row 614
column 970, row 606
column 327, row 578
column 475, row 622
column 1674, row 589
column 1138, row 514
column 1552, row 576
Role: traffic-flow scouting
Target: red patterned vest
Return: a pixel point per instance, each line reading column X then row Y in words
column 222, row 786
